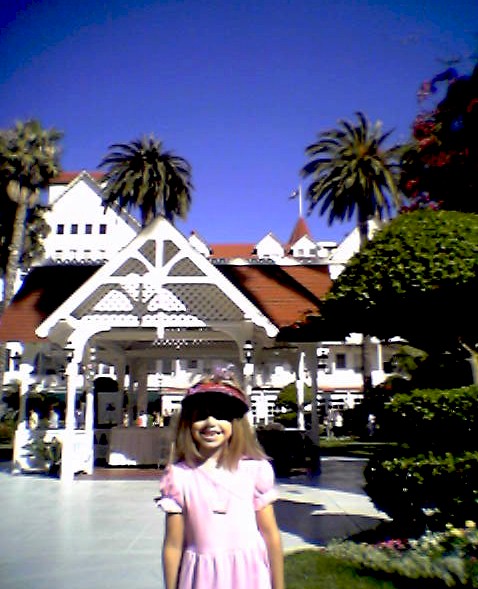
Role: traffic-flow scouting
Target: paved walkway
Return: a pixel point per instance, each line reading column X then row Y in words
column 102, row 534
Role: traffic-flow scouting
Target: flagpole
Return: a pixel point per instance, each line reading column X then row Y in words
column 300, row 200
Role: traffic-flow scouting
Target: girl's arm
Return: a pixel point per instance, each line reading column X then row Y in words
column 267, row 524
column 173, row 549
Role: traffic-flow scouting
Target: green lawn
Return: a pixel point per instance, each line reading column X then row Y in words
column 348, row 446
column 312, row 569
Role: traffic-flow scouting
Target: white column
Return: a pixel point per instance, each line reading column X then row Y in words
column 68, row 441
column 299, row 386
column 25, row 370
column 142, row 402
column 120, row 376
column 132, row 379
column 21, row 434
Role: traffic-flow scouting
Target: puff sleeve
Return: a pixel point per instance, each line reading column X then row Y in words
column 265, row 491
column 171, row 498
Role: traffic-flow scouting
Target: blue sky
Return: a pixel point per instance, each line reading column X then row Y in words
column 238, row 88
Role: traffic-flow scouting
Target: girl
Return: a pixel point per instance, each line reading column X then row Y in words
column 221, row 531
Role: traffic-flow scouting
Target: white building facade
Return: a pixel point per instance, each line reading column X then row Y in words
column 157, row 311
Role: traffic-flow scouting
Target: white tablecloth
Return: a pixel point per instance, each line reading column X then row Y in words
column 131, row 446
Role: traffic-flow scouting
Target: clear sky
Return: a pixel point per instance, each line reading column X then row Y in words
column 238, row 88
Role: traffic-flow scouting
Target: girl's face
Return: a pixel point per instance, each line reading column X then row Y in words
column 211, row 435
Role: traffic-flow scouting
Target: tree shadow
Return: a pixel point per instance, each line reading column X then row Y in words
column 316, row 526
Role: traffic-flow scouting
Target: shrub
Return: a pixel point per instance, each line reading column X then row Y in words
column 449, row 556
column 7, row 428
column 431, row 472
column 442, row 419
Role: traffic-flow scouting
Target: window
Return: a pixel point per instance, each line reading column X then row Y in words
column 60, row 229
column 192, row 364
column 74, row 229
column 102, row 229
column 88, row 229
column 340, row 361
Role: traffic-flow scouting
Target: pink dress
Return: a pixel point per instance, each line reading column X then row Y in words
column 224, row 548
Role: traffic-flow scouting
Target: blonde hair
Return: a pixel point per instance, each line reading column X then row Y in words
column 242, row 443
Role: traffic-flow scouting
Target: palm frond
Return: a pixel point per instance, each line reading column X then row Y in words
column 351, row 172
column 141, row 175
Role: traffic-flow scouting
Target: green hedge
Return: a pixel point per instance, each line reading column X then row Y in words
column 442, row 419
column 430, row 475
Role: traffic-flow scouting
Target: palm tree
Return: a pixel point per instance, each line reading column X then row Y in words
column 29, row 159
column 353, row 173
column 36, row 231
column 141, row 175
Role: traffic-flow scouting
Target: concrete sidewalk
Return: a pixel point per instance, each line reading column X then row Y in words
column 101, row 534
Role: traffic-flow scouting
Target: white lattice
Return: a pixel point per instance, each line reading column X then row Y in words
column 166, row 301
column 112, row 319
column 88, row 304
column 185, row 268
column 148, row 249
column 169, row 320
column 114, row 301
column 131, row 266
column 140, row 292
column 207, row 302
column 170, row 250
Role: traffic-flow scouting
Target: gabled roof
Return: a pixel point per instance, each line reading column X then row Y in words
column 92, row 179
column 300, row 230
column 67, row 177
column 44, row 289
column 285, row 294
column 158, row 281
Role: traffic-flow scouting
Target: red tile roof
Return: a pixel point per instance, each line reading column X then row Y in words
column 301, row 228
column 43, row 291
column 67, row 177
column 285, row 294
column 232, row 250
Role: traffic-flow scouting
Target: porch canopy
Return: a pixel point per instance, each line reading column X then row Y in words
column 157, row 298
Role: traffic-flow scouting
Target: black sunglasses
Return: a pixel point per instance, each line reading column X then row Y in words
column 221, row 413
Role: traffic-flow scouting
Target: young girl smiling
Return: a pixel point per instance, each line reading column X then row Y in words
column 221, row 531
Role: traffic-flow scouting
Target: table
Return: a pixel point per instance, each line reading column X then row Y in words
column 131, row 446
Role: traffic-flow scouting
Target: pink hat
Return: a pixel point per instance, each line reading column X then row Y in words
column 238, row 397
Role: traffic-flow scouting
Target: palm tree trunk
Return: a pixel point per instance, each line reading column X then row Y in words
column 365, row 347
column 15, row 251
column 14, row 254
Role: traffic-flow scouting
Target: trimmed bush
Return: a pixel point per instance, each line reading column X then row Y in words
column 430, row 475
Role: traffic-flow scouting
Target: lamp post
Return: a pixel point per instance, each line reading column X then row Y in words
column 322, row 366
column 248, row 368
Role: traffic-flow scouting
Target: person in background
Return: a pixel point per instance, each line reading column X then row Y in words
column 53, row 419
column 33, row 420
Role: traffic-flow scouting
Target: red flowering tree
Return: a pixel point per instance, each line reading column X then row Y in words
column 440, row 169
